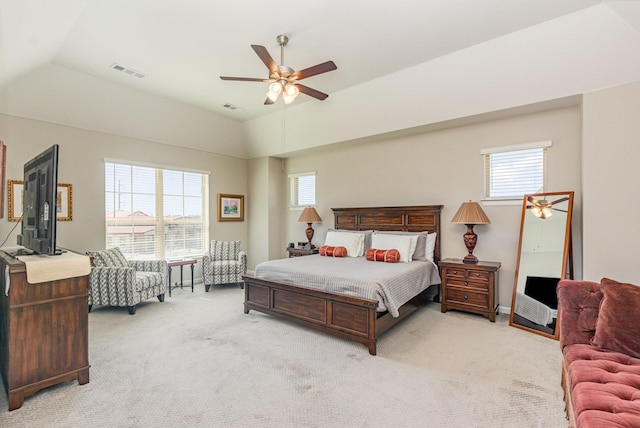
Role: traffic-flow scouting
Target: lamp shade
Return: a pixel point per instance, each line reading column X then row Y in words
column 309, row 215
column 470, row 213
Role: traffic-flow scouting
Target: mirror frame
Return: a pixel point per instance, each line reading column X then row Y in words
column 567, row 257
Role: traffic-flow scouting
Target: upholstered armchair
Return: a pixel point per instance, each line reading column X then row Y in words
column 116, row 281
column 225, row 263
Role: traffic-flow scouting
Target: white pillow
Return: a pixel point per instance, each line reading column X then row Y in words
column 418, row 242
column 402, row 243
column 353, row 242
column 431, row 246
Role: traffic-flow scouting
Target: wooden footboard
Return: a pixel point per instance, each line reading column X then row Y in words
column 341, row 315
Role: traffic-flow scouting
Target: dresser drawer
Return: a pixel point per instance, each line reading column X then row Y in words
column 467, row 297
column 468, row 283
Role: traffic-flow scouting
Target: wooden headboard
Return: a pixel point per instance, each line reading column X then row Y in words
column 407, row 219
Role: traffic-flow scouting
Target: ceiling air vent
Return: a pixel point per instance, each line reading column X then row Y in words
column 129, row 71
column 231, row 106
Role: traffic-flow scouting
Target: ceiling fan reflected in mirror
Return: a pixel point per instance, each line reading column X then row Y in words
column 542, row 208
column 283, row 79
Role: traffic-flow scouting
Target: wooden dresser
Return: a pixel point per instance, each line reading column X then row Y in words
column 44, row 337
column 469, row 287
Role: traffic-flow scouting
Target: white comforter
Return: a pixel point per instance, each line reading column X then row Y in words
column 391, row 284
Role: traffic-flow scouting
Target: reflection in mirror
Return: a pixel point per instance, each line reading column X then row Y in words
column 544, row 257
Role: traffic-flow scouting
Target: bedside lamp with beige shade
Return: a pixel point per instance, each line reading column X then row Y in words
column 309, row 215
column 470, row 213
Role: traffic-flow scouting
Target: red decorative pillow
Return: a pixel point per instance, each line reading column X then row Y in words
column 618, row 328
column 328, row 251
column 389, row 256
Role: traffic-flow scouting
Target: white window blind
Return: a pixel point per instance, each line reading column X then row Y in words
column 513, row 171
column 303, row 189
column 154, row 212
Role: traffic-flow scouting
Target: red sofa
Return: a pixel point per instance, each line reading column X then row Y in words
column 600, row 342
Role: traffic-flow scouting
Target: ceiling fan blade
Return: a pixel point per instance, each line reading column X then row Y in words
column 266, row 58
column 560, row 200
column 315, row 70
column 245, row 79
column 268, row 101
column 312, row 92
column 533, row 200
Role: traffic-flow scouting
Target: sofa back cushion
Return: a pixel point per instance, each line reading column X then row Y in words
column 618, row 325
column 578, row 306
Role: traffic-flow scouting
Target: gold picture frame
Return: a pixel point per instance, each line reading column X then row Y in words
column 230, row 207
column 64, row 201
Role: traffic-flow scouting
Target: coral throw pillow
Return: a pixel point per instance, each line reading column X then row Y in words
column 329, row 251
column 618, row 325
column 389, row 256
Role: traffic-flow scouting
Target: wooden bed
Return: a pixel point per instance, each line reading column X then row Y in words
column 343, row 315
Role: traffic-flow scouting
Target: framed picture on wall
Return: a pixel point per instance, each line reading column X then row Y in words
column 230, row 207
column 64, row 207
column 14, row 196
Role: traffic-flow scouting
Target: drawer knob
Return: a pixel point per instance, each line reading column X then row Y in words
column 466, row 297
column 478, row 274
column 455, row 272
column 466, row 283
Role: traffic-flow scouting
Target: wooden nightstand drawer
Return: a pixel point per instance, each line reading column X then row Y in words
column 468, row 297
column 468, row 283
column 470, row 287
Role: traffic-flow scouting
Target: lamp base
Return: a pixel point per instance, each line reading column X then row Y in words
column 470, row 259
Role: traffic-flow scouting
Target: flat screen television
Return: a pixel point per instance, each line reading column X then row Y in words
column 39, row 201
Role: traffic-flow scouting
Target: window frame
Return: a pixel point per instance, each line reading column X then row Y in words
column 159, row 221
column 294, row 194
column 487, row 177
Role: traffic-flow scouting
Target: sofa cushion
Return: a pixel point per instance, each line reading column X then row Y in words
column 604, row 386
column 618, row 325
column 580, row 303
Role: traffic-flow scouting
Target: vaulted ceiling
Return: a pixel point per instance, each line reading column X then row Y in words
column 176, row 50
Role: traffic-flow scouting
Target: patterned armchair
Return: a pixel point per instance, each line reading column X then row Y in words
column 116, row 281
column 225, row 263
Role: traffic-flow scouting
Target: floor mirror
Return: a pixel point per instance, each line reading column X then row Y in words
column 544, row 258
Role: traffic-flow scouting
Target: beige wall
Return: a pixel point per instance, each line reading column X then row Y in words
column 611, row 176
column 442, row 167
column 81, row 163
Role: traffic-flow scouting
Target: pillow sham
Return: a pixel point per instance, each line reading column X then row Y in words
column 430, row 247
column 388, row 256
column 327, row 251
column 617, row 327
column 367, row 236
column 419, row 250
column 402, row 243
column 353, row 242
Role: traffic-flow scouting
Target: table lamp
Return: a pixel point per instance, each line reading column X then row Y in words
column 309, row 215
column 470, row 213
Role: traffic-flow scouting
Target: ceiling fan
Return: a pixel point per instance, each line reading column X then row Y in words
column 543, row 208
column 285, row 79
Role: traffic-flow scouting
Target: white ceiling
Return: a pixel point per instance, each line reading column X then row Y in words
column 184, row 46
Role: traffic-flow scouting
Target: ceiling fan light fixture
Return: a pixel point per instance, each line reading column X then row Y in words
column 272, row 96
column 292, row 90
column 275, row 87
column 288, row 99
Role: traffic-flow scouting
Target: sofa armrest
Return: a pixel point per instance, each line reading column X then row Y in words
column 112, row 275
column 578, row 306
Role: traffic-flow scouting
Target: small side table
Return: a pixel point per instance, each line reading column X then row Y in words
column 299, row 252
column 180, row 262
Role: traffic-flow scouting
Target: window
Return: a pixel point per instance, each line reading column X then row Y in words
column 303, row 189
column 156, row 213
column 513, row 171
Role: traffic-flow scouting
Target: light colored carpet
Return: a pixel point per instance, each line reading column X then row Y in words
column 197, row 360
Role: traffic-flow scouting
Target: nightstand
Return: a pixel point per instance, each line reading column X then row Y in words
column 299, row 252
column 469, row 287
